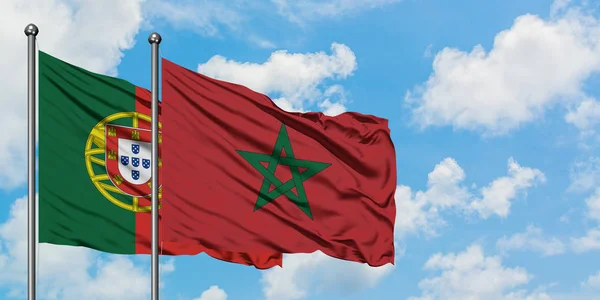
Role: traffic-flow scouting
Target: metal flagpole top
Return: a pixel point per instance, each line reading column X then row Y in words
column 154, row 38
column 31, row 29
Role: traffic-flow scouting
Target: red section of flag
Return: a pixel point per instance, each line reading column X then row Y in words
column 144, row 221
column 223, row 145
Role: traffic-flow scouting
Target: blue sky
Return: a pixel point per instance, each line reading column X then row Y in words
column 493, row 111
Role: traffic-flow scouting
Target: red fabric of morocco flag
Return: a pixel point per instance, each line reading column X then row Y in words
column 242, row 175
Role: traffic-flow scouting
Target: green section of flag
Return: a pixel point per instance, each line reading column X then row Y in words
column 71, row 209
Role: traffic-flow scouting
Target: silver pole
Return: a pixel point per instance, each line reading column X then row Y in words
column 154, row 40
column 31, row 32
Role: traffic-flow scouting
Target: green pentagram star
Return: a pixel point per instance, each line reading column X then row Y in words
column 283, row 188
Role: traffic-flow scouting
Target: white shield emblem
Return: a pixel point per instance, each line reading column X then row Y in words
column 128, row 159
column 134, row 161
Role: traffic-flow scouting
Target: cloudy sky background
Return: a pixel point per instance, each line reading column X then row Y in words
column 493, row 110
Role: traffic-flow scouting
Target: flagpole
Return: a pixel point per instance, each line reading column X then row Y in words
column 31, row 32
column 154, row 39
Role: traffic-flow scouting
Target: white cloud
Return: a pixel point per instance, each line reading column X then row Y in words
column 559, row 6
column 532, row 66
column 443, row 185
column 524, row 295
column 317, row 271
column 286, row 105
column 167, row 266
column 472, row 275
column 585, row 175
column 331, row 109
column 71, row 30
column 532, row 239
column 296, row 79
column 586, row 115
column 582, row 296
column 335, row 98
column 420, row 211
column 302, row 11
column 428, row 52
column 593, row 206
column 66, row 272
column 261, row 42
column 213, row 293
column 590, row 290
column 209, row 17
column 215, row 18
column 593, row 282
column 204, row 16
column 496, row 196
column 414, row 214
column 589, row 242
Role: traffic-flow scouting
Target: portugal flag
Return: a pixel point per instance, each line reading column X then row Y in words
column 94, row 166
column 241, row 174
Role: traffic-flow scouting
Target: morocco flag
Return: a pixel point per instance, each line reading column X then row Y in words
column 94, row 166
column 243, row 175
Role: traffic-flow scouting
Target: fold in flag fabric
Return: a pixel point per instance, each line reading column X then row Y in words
column 242, row 174
column 94, row 166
